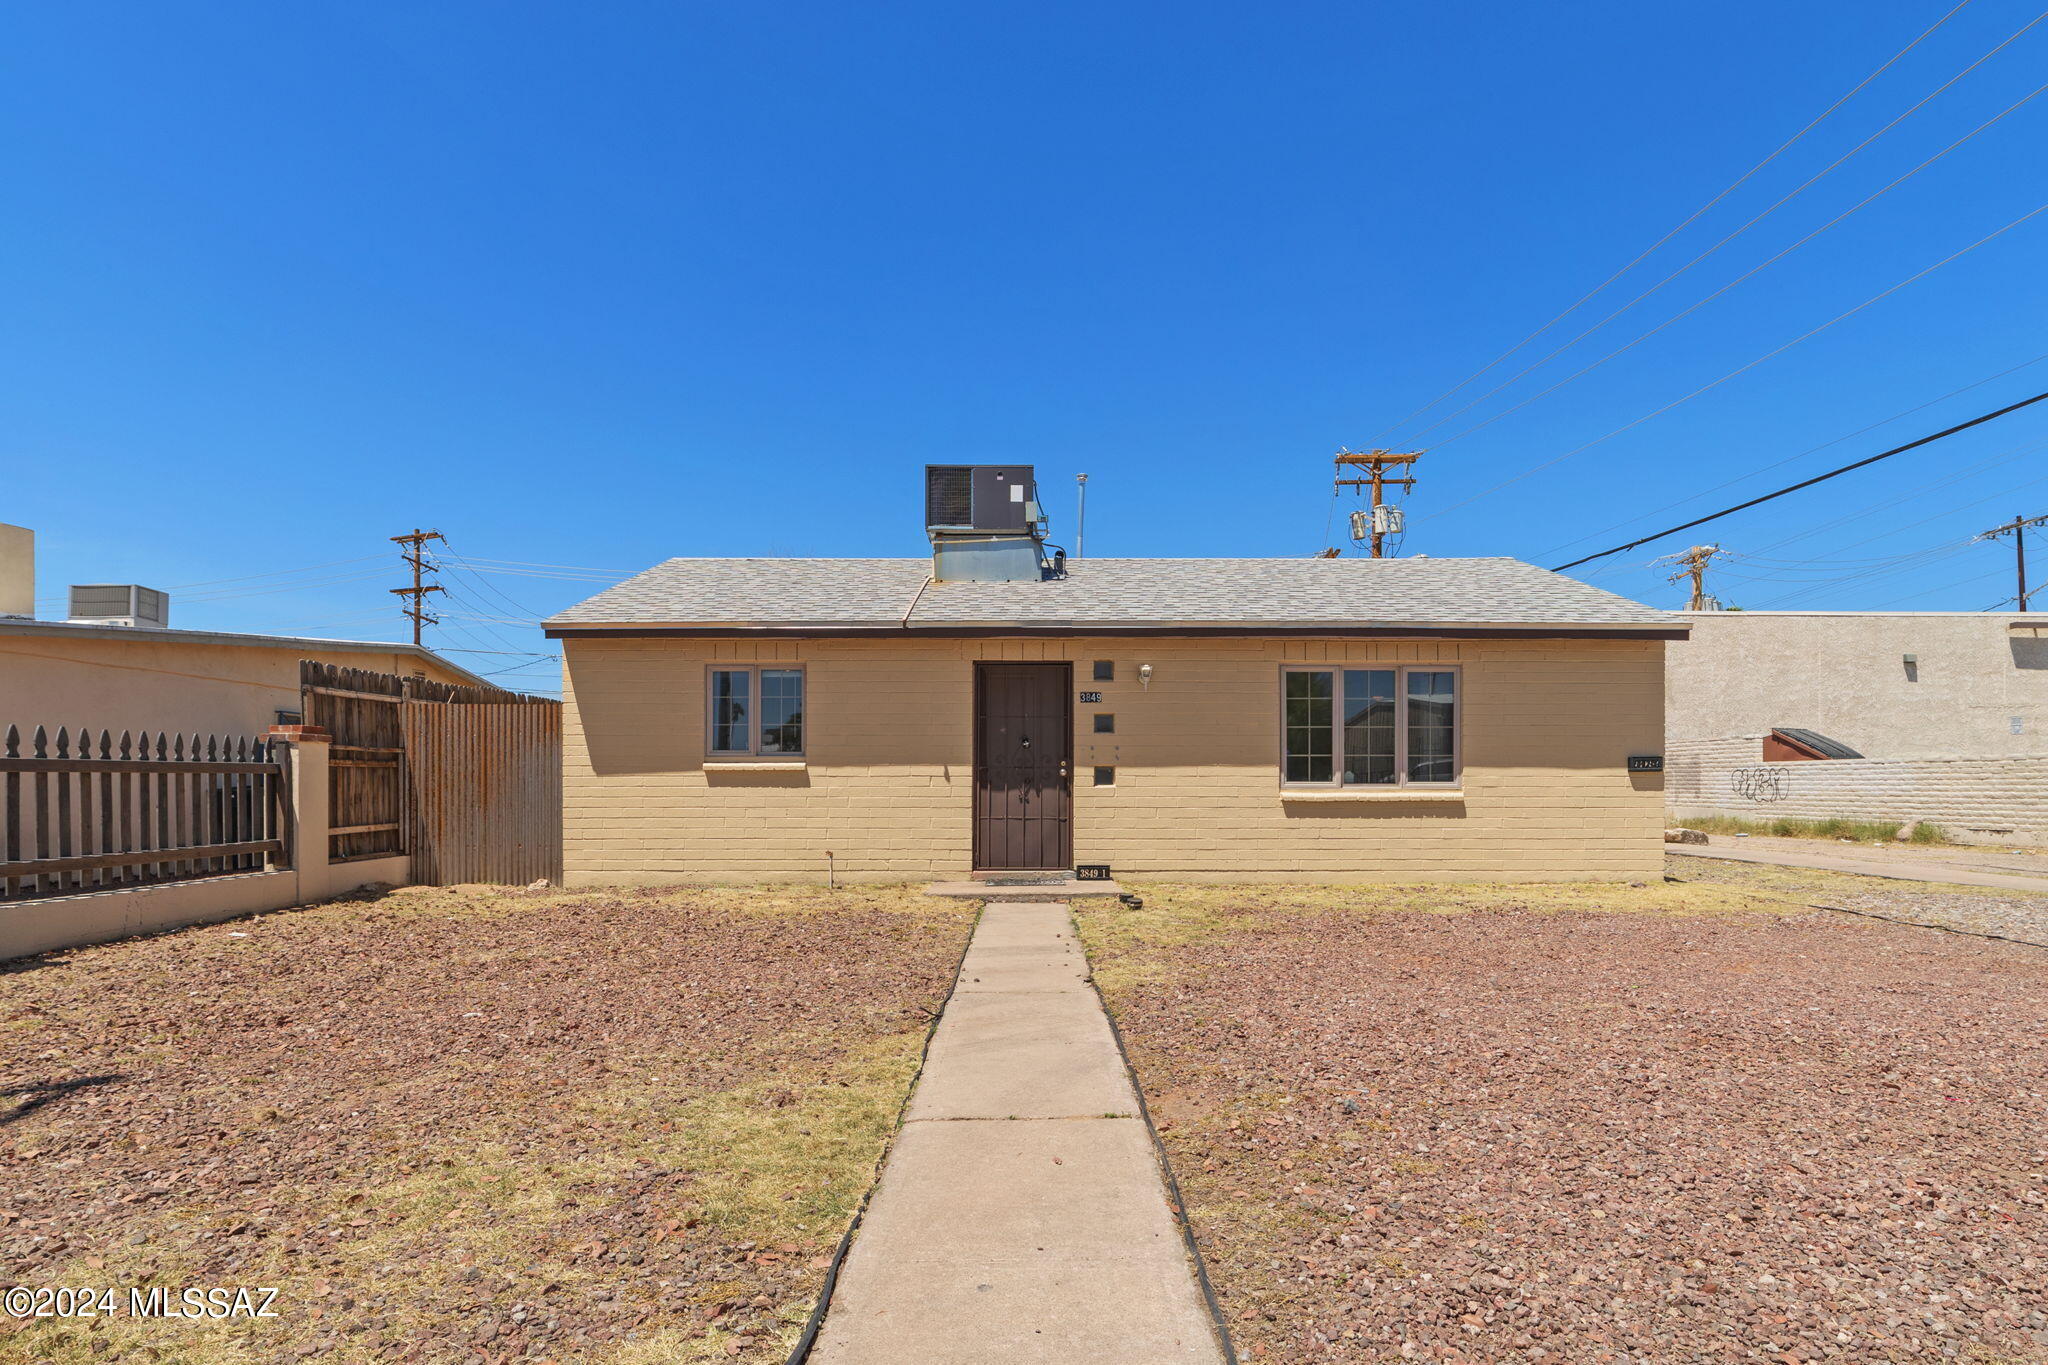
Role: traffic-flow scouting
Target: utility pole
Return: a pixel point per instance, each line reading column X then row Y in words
column 1375, row 463
column 1080, row 514
column 2017, row 529
column 415, row 555
column 1693, row 564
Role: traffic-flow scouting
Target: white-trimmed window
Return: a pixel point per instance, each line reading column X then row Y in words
column 1369, row 727
column 758, row 711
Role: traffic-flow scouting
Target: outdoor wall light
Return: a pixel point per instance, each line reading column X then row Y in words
column 1144, row 675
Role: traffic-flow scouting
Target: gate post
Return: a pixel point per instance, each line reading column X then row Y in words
column 308, row 842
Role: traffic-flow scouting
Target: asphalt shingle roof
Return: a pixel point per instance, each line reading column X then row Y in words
column 791, row 593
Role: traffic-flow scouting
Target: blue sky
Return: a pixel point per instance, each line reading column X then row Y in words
column 597, row 285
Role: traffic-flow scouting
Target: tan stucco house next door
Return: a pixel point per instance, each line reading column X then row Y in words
column 1228, row 719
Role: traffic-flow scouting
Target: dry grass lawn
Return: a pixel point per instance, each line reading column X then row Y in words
column 464, row 1124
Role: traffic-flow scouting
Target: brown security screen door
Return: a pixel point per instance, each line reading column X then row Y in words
column 1023, row 761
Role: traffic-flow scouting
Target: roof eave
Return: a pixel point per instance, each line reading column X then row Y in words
column 1658, row 630
column 175, row 635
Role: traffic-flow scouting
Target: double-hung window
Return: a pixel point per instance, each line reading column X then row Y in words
column 756, row 711
column 1369, row 727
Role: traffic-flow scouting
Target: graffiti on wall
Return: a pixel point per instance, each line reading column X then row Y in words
column 1760, row 785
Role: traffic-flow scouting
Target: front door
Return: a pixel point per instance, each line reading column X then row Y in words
column 1023, row 765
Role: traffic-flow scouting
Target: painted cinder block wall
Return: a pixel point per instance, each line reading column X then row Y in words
column 1548, row 726
column 1974, row 800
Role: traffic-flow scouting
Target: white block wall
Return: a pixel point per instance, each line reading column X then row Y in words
column 1977, row 800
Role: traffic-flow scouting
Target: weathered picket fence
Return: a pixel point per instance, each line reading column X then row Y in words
column 102, row 813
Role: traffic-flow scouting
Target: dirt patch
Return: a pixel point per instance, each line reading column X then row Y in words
column 1521, row 1132
column 463, row 1124
column 2021, row 915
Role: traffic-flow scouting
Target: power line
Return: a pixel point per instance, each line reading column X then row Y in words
column 480, row 560
column 1810, row 450
column 496, row 620
column 283, row 587
column 1695, row 307
column 1926, row 592
column 1819, row 564
column 1818, row 478
column 1805, row 592
column 275, row 573
column 1825, row 445
column 462, row 567
column 519, row 668
column 2004, row 602
column 1918, row 494
column 1689, row 220
column 1743, row 369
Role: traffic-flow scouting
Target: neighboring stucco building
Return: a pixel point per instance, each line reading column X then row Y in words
column 1888, row 684
column 1313, row 719
column 64, row 673
column 117, row 666
column 1937, row 717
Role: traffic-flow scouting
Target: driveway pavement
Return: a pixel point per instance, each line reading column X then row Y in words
column 1956, row 866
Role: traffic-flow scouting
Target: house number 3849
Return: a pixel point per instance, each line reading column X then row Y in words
column 1087, row 697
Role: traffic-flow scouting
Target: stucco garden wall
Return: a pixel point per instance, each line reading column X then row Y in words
column 1548, row 726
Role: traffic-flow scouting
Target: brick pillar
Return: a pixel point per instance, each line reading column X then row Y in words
column 306, row 766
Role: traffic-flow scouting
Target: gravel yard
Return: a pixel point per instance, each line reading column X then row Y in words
column 464, row 1124
column 1671, row 1123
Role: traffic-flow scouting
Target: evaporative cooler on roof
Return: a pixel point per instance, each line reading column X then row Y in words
column 120, row 604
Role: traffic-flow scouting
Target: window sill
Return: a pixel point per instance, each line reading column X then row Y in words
column 755, row 765
column 1402, row 796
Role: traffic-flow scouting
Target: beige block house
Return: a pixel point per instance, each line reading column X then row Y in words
column 1228, row 719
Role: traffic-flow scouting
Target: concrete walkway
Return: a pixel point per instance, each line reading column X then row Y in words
column 1901, row 869
column 1021, row 1216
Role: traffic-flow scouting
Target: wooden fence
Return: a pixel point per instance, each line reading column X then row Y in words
column 366, row 770
column 101, row 814
column 484, row 782
column 466, row 780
